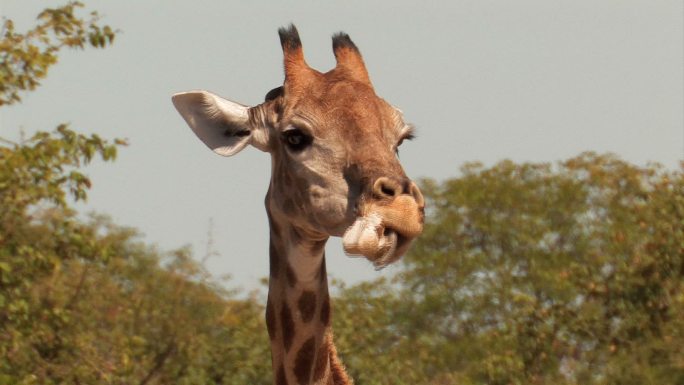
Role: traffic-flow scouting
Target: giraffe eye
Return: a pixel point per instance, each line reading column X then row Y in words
column 407, row 136
column 296, row 140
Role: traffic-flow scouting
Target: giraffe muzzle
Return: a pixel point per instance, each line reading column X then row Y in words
column 385, row 232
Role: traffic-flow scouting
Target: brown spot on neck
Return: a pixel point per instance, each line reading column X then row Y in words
column 307, row 305
column 304, row 361
column 281, row 379
column 298, row 313
column 287, row 326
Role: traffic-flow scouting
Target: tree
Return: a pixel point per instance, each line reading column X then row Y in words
column 26, row 57
column 83, row 301
column 533, row 274
column 38, row 231
column 525, row 273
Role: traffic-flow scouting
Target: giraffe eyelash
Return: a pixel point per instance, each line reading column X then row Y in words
column 408, row 134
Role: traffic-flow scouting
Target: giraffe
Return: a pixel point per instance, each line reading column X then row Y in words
column 334, row 172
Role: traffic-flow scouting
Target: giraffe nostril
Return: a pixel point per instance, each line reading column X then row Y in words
column 386, row 188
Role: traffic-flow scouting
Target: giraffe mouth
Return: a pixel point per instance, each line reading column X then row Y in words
column 374, row 239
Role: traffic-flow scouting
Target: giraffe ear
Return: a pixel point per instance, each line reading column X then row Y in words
column 221, row 124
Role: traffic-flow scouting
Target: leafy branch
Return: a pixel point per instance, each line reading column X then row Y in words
column 26, row 57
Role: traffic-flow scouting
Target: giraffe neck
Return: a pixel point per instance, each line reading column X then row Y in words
column 298, row 311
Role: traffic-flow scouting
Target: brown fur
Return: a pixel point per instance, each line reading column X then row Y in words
column 322, row 359
column 349, row 169
column 270, row 319
column 304, row 361
column 274, row 259
column 325, row 311
column 332, row 142
column 307, row 305
column 281, row 379
column 287, row 326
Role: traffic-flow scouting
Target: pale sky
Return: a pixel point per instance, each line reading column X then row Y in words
column 482, row 80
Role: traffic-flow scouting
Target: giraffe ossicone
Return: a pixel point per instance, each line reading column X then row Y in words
column 334, row 172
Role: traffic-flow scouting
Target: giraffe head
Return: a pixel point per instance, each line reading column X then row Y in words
column 333, row 144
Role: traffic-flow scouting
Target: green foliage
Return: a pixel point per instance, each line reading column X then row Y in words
column 85, row 302
column 525, row 274
column 532, row 274
column 38, row 232
column 26, row 57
